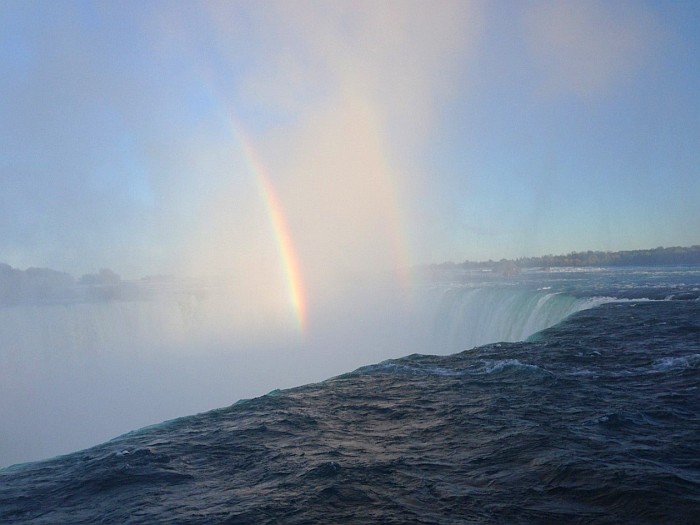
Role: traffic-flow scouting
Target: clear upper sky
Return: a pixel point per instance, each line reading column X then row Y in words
column 137, row 135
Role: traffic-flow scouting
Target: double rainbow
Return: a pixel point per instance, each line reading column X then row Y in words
column 386, row 185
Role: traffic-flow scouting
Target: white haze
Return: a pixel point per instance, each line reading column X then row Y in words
column 73, row 375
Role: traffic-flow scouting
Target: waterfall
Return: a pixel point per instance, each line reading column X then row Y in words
column 465, row 317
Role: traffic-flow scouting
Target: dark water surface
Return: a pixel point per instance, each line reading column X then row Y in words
column 596, row 420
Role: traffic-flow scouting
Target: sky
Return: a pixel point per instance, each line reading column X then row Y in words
column 328, row 139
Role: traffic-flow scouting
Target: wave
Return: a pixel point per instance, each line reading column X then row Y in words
column 424, row 365
column 687, row 362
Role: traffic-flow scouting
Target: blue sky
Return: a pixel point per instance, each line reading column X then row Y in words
column 394, row 132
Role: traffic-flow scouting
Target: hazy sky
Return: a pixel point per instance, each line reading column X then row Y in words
column 137, row 135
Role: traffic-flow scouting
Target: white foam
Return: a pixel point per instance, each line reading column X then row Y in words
column 673, row 363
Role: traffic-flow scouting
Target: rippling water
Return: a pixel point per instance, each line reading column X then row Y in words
column 596, row 420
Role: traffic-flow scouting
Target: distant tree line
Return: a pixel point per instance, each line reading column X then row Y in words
column 46, row 286
column 675, row 256
column 34, row 285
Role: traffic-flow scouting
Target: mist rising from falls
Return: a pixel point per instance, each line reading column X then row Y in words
column 77, row 373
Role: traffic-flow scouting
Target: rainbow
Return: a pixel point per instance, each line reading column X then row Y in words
column 290, row 263
column 275, row 212
column 387, row 186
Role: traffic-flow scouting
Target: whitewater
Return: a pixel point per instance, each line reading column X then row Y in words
column 563, row 396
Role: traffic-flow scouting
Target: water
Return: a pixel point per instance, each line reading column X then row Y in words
column 594, row 420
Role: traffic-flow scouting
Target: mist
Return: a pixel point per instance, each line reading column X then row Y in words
column 93, row 361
